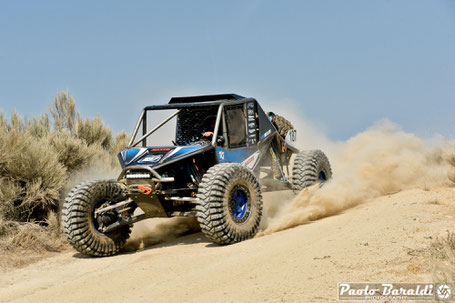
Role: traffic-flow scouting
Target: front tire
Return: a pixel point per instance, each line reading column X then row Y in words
column 83, row 227
column 309, row 168
column 230, row 203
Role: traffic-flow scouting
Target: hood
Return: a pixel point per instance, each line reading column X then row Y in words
column 153, row 156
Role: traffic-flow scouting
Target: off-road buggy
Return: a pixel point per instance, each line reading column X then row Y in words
column 226, row 152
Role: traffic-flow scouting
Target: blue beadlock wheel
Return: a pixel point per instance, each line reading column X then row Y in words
column 84, row 229
column 229, row 206
column 322, row 176
column 239, row 204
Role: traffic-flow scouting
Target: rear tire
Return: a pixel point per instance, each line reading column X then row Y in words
column 230, row 203
column 309, row 168
column 82, row 227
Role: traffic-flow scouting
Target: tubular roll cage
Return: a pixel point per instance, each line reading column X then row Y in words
column 143, row 117
column 178, row 106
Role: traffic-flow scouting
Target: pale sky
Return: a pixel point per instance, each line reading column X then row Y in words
column 343, row 64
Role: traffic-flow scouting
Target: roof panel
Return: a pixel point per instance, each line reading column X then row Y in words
column 204, row 98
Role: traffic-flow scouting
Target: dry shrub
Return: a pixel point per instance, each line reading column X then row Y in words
column 32, row 175
column 120, row 143
column 16, row 236
column 72, row 152
column 9, row 192
column 40, row 157
column 38, row 127
column 64, row 112
column 22, row 243
column 3, row 122
column 93, row 131
column 444, row 251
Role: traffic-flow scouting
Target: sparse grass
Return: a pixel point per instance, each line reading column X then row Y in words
column 443, row 252
column 39, row 156
column 15, row 236
column 23, row 242
column 434, row 202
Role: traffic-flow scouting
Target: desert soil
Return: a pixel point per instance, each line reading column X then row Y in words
column 382, row 240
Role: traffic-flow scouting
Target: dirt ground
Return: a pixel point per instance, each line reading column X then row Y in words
column 382, row 240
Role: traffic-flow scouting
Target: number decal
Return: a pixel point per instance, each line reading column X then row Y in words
column 293, row 135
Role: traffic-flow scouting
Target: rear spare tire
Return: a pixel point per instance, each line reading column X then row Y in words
column 83, row 227
column 230, row 203
column 309, row 168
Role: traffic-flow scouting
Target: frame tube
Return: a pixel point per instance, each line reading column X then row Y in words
column 217, row 124
column 156, row 128
column 136, row 128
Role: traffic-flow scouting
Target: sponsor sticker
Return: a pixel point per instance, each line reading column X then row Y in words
column 221, row 154
column 251, row 160
column 266, row 134
column 292, row 136
column 152, row 158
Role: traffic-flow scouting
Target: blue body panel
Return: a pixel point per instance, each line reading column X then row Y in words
column 153, row 156
column 129, row 154
column 182, row 150
column 234, row 155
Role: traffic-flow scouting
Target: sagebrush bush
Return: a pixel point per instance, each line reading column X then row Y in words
column 33, row 170
column 9, row 192
column 39, row 127
column 63, row 111
column 120, row 143
column 93, row 131
column 3, row 122
column 16, row 236
column 72, row 152
column 40, row 158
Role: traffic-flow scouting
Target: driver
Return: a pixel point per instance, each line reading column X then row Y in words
column 209, row 126
column 207, row 131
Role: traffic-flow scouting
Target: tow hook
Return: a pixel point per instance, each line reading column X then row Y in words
column 145, row 190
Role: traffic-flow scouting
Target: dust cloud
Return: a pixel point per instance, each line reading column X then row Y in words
column 379, row 161
column 95, row 171
column 157, row 230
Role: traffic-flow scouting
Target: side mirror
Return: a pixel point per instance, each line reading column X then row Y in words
column 220, row 140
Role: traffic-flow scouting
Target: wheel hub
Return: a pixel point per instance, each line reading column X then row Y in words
column 239, row 207
column 101, row 221
column 322, row 177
